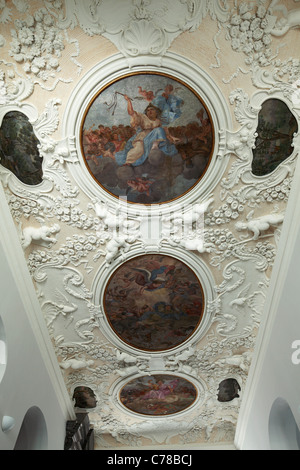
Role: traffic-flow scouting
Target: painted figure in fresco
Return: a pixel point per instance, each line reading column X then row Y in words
column 147, row 138
column 158, row 395
column 169, row 104
column 154, row 302
column 149, row 279
column 149, row 135
column 160, row 390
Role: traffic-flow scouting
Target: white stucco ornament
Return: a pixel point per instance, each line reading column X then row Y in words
column 76, row 364
column 40, row 235
column 260, row 224
column 140, row 27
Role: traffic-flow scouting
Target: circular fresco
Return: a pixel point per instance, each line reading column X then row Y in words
column 158, row 395
column 154, row 302
column 147, row 137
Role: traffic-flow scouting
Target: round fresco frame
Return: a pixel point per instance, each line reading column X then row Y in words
column 150, row 314
column 151, row 148
column 111, row 70
column 196, row 265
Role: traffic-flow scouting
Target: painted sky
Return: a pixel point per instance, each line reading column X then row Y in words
column 99, row 111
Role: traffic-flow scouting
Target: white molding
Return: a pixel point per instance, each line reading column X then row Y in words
column 117, row 386
column 180, row 68
column 190, row 259
column 16, row 259
column 286, row 246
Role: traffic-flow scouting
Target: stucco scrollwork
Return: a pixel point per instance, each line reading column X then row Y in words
column 238, row 309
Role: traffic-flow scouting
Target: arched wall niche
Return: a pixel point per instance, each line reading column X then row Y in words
column 284, row 432
column 33, row 434
column 176, row 67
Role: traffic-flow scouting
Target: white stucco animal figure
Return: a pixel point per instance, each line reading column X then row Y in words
column 127, row 371
column 194, row 213
column 183, row 356
column 260, row 224
column 127, row 358
column 289, row 20
column 241, row 361
column 196, row 244
column 193, row 244
column 175, row 224
column 39, row 235
column 110, row 221
column 186, row 220
column 76, row 364
column 114, row 246
column 242, row 298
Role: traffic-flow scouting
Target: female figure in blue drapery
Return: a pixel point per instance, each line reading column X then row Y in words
column 149, row 134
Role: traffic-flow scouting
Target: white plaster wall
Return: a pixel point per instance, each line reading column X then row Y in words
column 29, row 379
column 273, row 374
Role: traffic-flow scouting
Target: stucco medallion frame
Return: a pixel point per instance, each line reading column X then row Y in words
column 195, row 264
column 242, row 142
column 165, row 325
column 173, row 65
column 52, row 153
column 117, row 386
column 108, row 142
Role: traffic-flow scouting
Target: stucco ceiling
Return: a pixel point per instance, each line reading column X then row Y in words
column 197, row 207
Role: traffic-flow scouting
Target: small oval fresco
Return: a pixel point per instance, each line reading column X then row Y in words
column 158, row 395
column 154, row 302
column 273, row 145
column 19, row 148
column 147, row 137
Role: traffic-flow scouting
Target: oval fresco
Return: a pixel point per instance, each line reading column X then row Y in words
column 158, row 395
column 147, row 137
column 154, row 302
